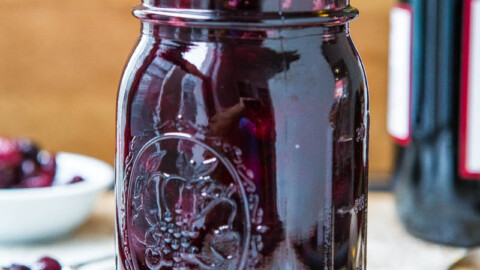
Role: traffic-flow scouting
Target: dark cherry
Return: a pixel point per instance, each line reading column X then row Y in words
column 47, row 263
column 10, row 158
column 29, row 168
column 28, row 148
column 37, row 181
column 18, row 267
column 8, row 176
column 47, row 162
column 9, row 153
column 76, row 179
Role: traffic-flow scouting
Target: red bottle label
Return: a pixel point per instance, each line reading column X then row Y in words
column 400, row 74
column 470, row 94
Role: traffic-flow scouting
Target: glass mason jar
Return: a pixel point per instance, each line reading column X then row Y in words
column 242, row 135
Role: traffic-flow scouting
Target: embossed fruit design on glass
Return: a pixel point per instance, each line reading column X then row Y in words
column 242, row 134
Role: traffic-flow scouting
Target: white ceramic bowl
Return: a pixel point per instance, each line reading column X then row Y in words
column 39, row 214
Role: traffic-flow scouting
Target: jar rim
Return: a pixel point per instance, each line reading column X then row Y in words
column 243, row 19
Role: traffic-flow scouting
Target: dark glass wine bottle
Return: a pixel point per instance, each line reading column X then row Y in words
column 437, row 198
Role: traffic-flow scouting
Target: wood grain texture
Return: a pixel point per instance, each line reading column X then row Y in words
column 61, row 61
column 370, row 34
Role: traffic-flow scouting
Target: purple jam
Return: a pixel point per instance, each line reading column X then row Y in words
column 241, row 149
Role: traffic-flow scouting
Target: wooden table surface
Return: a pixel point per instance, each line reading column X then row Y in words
column 61, row 61
column 389, row 246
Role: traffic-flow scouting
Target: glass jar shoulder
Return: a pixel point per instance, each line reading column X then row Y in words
column 285, row 50
column 160, row 70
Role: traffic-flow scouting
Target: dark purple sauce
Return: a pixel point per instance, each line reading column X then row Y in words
column 242, row 150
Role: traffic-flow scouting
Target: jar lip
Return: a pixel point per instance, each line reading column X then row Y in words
column 243, row 19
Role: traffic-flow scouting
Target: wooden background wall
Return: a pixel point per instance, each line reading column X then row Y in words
column 61, row 61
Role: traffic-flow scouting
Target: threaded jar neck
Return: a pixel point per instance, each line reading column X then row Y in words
column 246, row 13
column 261, row 6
